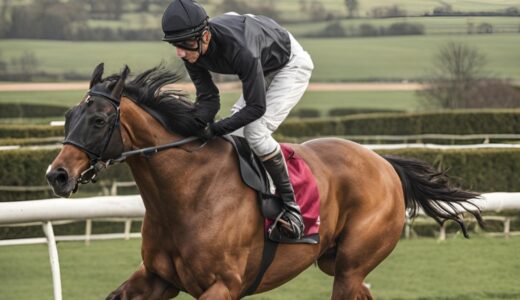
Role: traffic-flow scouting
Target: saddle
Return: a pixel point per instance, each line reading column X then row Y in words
column 255, row 176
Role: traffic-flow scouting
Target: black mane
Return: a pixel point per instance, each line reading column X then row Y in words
column 177, row 112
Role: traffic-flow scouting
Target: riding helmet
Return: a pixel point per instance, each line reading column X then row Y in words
column 182, row 20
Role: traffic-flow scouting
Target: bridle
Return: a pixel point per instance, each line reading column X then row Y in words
column 98, row 161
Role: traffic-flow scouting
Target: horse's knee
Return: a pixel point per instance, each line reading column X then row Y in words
column 218, row 291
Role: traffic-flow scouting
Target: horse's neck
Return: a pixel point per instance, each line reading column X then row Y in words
column 171, row 180
column 140, row 129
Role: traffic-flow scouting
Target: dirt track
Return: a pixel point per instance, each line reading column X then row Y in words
column 224, row 87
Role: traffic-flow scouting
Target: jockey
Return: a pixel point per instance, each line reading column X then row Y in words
column 274, row 71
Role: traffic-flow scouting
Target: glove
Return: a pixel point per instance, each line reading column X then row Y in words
column 206, row 133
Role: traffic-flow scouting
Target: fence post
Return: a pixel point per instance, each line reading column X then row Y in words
column 128, row 226
column 88, row 231
column 442, row 232
column 113, row 190
column 507, row 227
column 53, row 256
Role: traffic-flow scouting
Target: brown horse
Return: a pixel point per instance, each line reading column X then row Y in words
column 203, row 232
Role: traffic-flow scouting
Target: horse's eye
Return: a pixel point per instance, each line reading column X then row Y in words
column 100, row 122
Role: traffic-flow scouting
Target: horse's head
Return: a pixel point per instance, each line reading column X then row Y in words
column 92, row 134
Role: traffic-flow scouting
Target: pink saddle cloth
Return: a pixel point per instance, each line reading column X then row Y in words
column 305, row 190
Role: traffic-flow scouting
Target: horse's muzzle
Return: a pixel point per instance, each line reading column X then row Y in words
column 62, row 184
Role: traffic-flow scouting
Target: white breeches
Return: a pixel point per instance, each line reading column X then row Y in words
column 283, row 93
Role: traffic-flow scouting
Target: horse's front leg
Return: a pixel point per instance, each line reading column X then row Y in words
column 218, row 291
column 144, row 285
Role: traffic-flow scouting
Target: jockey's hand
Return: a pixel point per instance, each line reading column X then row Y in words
column 206, row 133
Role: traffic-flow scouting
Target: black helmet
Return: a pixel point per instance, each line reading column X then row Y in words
column 182, row 20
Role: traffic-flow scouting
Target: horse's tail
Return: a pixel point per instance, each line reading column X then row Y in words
column 431, row 190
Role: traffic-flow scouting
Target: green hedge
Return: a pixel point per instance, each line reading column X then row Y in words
column 30, row 131
column 305, row 113
column 344, row 111
column 482, row 170
column 28, row 110
column 445, row 122
column 27, row 168
column 31, row 141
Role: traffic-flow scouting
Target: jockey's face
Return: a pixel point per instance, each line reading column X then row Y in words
column 188, row 50
column 189, row 55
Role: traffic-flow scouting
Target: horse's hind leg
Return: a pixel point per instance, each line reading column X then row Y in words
column 365, row 242
column 143, row 285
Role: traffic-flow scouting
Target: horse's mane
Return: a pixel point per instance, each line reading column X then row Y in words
column 177, row 112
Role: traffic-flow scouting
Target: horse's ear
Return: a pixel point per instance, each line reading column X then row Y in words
column 97, row 75
column 120, row 85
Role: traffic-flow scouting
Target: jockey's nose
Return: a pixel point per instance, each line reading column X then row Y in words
column 181, row 52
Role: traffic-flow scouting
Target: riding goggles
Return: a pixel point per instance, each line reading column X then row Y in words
column 190, row 45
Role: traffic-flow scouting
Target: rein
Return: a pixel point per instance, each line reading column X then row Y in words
column 96, row 167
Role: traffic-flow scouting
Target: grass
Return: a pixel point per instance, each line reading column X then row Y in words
column 349, row 59
column 479, row 268
column 405, row 58
column 322, row 101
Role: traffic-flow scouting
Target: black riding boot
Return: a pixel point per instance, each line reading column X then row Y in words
column 277, row 169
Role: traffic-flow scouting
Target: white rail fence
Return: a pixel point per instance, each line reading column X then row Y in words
column 22, row 213
column 49, row 211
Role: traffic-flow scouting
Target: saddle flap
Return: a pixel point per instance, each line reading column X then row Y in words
column 251, row 169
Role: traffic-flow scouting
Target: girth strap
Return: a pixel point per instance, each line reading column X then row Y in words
column 267, row 258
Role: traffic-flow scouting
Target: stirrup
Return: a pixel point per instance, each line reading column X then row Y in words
column 288, row 228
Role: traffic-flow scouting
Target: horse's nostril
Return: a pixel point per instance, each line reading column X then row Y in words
column 58, row 177
column 62, row 178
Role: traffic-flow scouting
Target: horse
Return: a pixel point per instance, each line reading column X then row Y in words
column 203, row 232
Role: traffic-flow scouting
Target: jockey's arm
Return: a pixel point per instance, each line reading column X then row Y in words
column 249, row 70
column 208, row 97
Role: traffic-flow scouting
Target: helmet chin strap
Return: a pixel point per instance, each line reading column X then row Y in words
column 199, row 41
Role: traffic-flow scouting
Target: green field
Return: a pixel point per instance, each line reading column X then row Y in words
column 421, row 269
column 321, row 101
column 405, row 58
column 353, row 59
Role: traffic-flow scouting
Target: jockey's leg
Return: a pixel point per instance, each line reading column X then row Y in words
column 284, row 89
column 277, row 169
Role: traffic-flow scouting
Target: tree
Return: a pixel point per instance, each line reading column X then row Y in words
column 456, row 68
column 459, row 80
column 352, row 7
